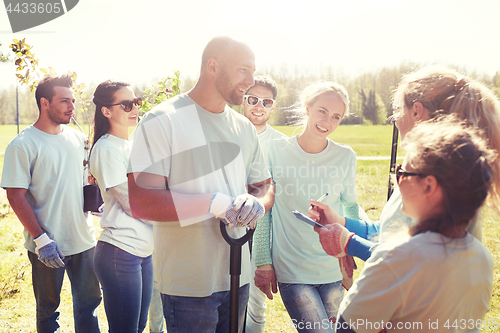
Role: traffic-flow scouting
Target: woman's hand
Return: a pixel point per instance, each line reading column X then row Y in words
column 265, row 280
column 324, row 214
column 334, row 239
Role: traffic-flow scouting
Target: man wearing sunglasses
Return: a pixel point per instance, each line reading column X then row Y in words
column 43, row 175
column 196, row 162
column 258, row 103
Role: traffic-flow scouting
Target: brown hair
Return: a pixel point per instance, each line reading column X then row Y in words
column 266, row 82
column 45, row 88
column 444, row 91
column 458, row 157
column 104, row 96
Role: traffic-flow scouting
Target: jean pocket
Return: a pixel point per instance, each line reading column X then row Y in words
column 97, row 255
column 284, row 286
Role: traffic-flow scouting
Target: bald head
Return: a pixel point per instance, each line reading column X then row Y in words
column 221, row 48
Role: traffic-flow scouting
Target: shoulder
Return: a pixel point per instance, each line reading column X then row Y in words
column 73, row 133
column 109, row 144
column 238, row 117
column 275, row 133
column 343, row 148
column 27, row 138
column 241, row 122
column 169, row 107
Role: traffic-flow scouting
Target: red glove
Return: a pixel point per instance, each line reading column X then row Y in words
column 334, row 239
column 347, row 267
column 265, row 280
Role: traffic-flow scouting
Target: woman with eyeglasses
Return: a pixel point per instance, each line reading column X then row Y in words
column 421, row 96
column 123, row 257
column 304, row 166
column 437, row 277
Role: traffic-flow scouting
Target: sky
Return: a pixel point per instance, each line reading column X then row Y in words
column 142, row 41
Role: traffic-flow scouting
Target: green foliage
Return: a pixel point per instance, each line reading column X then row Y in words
column 3, row 58
column 25, row 59
column 373, row 108
column 163, row 90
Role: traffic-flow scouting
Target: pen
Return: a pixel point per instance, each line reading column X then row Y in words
column 321, row 198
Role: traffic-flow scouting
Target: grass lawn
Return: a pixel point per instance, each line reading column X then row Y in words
column 17, row 306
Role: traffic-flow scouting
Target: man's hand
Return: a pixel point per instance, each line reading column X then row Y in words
column 265, row 280
column 48, row 252
column 221, row 208
column 334, row 239
column 249, row 209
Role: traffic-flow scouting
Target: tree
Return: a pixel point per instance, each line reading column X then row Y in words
column 373, row 107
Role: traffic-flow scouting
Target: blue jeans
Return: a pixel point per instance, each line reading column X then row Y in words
column 156, row 319
column 47, row 284
column 256, row 314
column 202, row 314
column 312, row 307
column 127, row 284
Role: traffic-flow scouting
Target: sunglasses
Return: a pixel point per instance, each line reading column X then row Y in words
column 127, row 105
column 254, row 100
column 402, row 173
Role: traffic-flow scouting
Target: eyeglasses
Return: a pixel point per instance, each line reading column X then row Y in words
column 254, row 100
column 127, row 105
column 400, row 172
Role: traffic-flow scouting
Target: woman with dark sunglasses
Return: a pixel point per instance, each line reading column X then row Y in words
column 123, row 257
column 436, row 277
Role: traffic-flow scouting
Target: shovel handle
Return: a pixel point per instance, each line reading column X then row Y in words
column 235, row 241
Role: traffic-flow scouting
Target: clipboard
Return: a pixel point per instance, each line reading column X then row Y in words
column 306, row 219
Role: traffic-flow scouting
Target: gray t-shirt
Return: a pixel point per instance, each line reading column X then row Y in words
column 199, row 152
column 51, row 168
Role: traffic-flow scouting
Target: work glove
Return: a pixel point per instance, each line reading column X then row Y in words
column 347, row 267
column 48, row 252
column 265, row 280
column 249, row 208
column 221, row 208
column 334, row 238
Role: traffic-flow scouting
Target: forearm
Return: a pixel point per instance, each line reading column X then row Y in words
column 359, row 247
column 120, row 193
column 262, row 241
column 24, row 211
column 264, row 191
column 160, row 204
column 365, row 229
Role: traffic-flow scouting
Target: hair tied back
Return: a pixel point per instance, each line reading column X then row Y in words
column 461, row 84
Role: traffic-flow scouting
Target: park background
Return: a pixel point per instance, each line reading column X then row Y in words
column 365, row 45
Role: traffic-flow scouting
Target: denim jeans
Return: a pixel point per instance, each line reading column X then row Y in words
column 127, row 283
column 312, row 307
column 256, row 314
column 202, row 314
column 47, row 284
column 156, row 320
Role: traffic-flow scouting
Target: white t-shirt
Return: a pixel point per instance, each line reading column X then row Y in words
column 269, row 135
column 299, row 176
column 199, row 152
column 51, row 168
column 422, row 284
column 108, row 164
